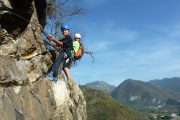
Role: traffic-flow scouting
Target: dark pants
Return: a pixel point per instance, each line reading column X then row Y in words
column 58, row 63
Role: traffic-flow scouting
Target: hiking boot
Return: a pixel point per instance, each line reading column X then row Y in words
column 50, row 75
column 55, row 79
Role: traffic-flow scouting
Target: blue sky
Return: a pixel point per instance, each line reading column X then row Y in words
column 138, row 39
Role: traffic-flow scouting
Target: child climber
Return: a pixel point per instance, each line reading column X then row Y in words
column 76, row 43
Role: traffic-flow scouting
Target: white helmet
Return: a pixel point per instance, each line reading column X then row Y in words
column 77, row 35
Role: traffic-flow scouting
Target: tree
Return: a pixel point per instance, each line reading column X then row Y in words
column 60, row 11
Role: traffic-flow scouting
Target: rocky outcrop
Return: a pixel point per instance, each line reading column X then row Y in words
column 25, row 94
column 15, row 15
column 43, row 101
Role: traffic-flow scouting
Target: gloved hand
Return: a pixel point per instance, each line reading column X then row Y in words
column 50, row 36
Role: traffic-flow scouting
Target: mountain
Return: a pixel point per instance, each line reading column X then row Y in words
column 101, row 106
column 170, row 83
column 101, row 85
column 140, row 94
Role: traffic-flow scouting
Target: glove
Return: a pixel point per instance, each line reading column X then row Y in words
column 50, row 36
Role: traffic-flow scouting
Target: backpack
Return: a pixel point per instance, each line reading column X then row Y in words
column 79, row 53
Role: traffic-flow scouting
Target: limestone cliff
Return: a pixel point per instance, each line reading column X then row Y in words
column 24, row 93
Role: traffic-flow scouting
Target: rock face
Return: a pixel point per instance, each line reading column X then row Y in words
column 16, row 14
column 24, row 93
column 43, row 101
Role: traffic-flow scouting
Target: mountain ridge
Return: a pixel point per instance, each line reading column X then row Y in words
column 101, row 85
column 101, row 106
column 139, row 93
column 170, row 83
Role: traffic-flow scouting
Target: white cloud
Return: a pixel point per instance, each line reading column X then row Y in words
column 109, row 38
column 174, row 31
column 171, row 31
column 122, row 35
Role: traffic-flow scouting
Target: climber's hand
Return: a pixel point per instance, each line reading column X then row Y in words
column 50, row 36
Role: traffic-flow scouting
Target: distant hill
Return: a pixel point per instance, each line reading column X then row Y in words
column 101, row 85
column 142, row 94
column 170, row 83
column 101, row 106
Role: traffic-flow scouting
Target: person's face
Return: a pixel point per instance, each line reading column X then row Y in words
column 78, row 39
column 65, row 32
